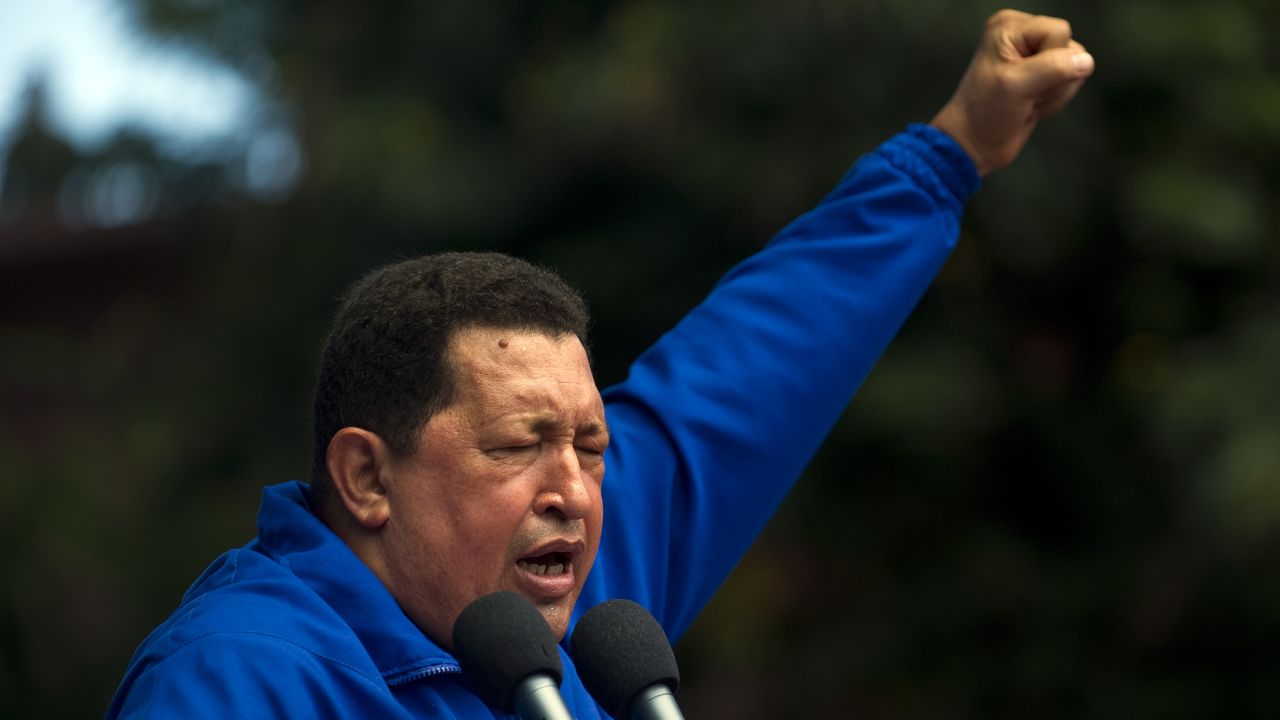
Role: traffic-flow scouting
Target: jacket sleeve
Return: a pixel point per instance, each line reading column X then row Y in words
column 716, row 421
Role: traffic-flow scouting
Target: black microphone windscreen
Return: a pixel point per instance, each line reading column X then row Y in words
column 501, row 639
column 620, row 649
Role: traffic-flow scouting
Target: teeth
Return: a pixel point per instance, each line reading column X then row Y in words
column 539, row 569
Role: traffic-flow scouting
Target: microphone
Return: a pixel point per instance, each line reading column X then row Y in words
column 510, row 657
column 626, row 662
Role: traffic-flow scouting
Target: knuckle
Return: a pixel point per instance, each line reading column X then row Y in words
column 1003, row 17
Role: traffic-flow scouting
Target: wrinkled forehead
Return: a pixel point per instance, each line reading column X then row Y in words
column 498, row 365
column 474, row 344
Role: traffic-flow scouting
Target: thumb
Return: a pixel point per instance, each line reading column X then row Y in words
column 1047, row 70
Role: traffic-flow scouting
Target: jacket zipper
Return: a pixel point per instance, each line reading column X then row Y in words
column 425, row 672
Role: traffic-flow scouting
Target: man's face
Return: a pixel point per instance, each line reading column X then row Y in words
column 503, row 492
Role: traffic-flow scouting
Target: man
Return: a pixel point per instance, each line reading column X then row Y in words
column 461, row 443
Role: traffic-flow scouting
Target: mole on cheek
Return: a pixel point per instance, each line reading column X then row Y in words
column 503, row 343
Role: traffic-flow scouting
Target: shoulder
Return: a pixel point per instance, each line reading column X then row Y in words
column 249, row 594
column 236, row 673
column 248, row 634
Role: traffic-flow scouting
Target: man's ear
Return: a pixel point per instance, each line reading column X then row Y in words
column 356, row 460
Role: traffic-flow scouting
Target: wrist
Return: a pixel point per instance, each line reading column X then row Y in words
column 951, row 121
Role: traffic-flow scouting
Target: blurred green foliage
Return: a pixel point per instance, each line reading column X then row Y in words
column 1058, row 496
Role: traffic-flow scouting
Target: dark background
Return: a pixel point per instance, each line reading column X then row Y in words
column 1058, row 496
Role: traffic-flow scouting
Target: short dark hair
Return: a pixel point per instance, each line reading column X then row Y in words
column 384, row 366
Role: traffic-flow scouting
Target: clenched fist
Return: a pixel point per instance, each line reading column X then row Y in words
column 1027, row 67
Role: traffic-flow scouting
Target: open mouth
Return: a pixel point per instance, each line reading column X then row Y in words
column 552, row 563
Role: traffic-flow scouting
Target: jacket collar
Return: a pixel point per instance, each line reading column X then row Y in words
column 291, row 534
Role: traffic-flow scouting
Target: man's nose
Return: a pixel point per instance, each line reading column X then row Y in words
column 565, row 486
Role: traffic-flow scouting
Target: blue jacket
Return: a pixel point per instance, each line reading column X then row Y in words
column 709, row 432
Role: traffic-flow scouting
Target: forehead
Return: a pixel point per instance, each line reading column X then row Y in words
column 497, row 366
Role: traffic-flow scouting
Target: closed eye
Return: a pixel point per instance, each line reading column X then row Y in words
column 510, row 450
column 590, row 457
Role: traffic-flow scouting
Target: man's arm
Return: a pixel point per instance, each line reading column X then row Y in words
column 717, row 420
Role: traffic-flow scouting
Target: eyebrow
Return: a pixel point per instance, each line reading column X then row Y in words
column 548, row 422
